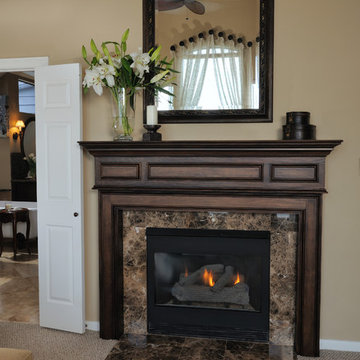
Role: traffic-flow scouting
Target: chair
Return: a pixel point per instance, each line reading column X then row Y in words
column 14, row 216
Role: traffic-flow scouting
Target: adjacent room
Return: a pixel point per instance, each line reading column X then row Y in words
column 19, row 280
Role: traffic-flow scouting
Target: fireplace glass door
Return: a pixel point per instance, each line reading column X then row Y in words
column 209, row 282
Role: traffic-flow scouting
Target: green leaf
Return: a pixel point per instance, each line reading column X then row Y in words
column 86, row 89
column 107, row 53
column 117, row 50
column 123, row 47
column 155, row 54
column 132, row 101
column 126, row 65
column 84, row 53
column 94, row 49
column 111, row 42
column 164, row 91
column 125, row 36
column 123, row 40
column 168, row 81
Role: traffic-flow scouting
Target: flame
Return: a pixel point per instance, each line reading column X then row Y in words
column 186, row 272
column 208, row 278
column 237, row 280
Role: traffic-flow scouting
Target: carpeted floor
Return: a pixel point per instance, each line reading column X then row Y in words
column 333, row 355
column 47, row 344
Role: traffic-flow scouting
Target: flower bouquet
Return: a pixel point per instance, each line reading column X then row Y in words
column 31, row 161
column 124, row 75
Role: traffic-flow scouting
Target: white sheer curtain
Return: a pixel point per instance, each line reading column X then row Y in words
column 232, row 65
column 191, row 62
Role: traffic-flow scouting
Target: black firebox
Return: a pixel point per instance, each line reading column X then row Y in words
column 212, row 283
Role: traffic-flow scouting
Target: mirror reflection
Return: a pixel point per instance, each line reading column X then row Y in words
column 215, row 46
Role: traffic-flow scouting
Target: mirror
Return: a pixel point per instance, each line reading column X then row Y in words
column 28, row 144
column 223, row 50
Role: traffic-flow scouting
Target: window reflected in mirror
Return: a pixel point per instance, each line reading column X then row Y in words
column 26, row 97
column 215, row 46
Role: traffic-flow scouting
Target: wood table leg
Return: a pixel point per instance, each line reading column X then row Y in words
column 1, row 240
column 28, row 233
column 14, row 225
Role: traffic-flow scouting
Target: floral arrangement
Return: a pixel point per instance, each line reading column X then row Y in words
column 118, row 70
column 31, row 160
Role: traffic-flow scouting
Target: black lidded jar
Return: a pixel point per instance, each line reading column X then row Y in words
column 299, row 132
column 298, row 118
column 298, row 126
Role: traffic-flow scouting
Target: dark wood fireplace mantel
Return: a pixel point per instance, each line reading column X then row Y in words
column 246, row 176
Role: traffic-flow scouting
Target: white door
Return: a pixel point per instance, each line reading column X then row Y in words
column 59, row 196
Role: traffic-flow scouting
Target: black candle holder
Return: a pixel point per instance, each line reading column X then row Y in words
column 152, row 134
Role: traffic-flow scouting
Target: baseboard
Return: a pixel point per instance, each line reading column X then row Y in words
column 92, row 325
column 340, row 345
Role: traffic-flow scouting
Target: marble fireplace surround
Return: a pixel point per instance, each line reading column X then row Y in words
column 256, row 177
column 283, row 230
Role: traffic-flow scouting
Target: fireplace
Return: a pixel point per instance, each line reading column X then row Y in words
column 208, row 283
column 264, row 177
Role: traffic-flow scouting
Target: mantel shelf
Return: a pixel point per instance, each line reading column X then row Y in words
column 212, row 145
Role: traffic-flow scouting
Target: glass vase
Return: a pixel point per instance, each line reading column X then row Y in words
column 123, row 115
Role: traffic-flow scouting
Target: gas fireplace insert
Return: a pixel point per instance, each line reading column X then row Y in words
column 208, row 283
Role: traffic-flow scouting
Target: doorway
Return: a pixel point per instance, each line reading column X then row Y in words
column 19, row 289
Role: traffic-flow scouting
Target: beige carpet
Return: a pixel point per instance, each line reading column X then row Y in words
column 47, row 344
column 333, row 355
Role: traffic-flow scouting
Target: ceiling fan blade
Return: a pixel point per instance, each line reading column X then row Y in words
column 195, row 6
column 164, row 5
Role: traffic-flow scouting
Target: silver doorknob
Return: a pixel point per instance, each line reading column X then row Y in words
column 76, row 214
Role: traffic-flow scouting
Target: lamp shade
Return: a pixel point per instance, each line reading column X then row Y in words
column 20, row 124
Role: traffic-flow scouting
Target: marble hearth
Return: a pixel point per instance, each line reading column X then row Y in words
column 213, row 184
column 283, row 229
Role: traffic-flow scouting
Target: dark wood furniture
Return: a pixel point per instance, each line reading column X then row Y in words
column 14, row 216
column 244, row 176
column 23, row 190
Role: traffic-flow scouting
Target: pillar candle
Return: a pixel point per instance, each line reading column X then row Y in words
column 151, row 115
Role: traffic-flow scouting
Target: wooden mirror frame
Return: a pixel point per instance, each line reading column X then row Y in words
column 27, row 122
column 265, row 111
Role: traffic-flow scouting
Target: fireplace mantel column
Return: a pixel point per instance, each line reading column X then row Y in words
column 246, row 176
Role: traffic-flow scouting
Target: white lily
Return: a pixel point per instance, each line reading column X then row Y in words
column 140, row 64
column 107, row 72
column 93, row 79
column 158, row 77
column 98, row 89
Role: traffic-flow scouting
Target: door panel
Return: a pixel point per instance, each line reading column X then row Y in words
column 59, row 189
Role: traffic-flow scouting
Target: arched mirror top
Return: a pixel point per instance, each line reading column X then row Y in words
column 28, row 142
column 224, row 52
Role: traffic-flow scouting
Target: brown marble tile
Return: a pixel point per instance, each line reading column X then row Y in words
column 156, row 347
column 19, row 290
column 283, row 231
column 199, row 349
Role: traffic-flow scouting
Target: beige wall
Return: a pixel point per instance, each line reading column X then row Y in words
column 5, row 182
column 314, row 71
